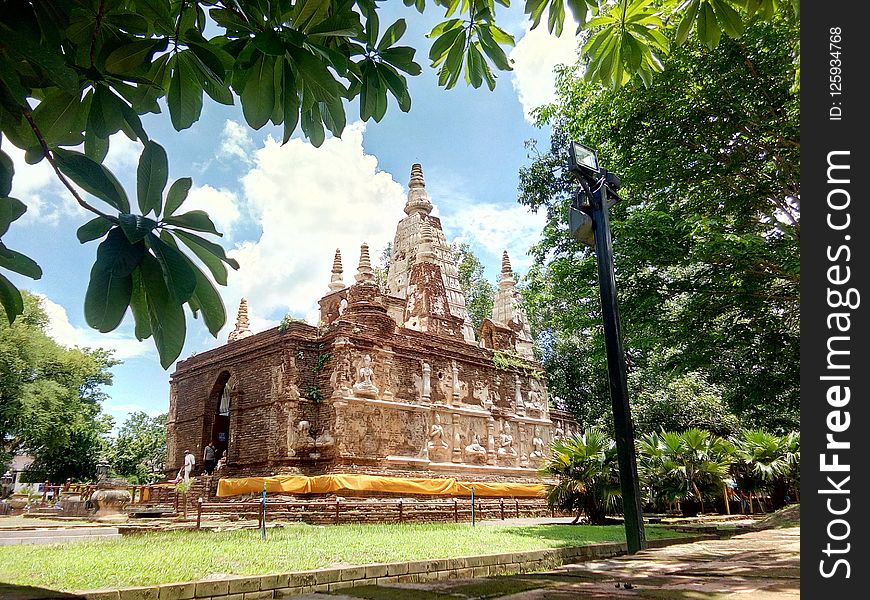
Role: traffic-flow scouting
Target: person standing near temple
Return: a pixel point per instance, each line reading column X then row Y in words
column 189, row 461
column 209, row 457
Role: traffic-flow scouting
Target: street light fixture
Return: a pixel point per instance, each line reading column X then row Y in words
column 589, row 223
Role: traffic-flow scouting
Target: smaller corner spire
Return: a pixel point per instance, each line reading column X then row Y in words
column 418, row 199
column 336, row 281
column 242, row 329
column 506, row 279
column 365, row 273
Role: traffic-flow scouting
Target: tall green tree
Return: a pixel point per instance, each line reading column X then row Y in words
column 50, row 398
column 75, row 72
column 138, row 453
column 479, row 292
column 706, row 242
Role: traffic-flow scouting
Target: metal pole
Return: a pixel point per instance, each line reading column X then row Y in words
column 628, row 480
column 263, row 530
column 472, row 506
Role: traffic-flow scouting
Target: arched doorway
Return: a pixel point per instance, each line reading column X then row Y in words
column 221, row 402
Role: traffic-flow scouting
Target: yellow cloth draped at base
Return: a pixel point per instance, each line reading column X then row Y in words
column 324, row 484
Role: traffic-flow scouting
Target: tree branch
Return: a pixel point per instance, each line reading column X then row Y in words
column 46, row 152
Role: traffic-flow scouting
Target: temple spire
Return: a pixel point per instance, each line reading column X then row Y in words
column 365, row 273
column 426, row 252
column 506, row 279
column 336, row 282
column 418, row 199
column 507, row 309
column 242, row 324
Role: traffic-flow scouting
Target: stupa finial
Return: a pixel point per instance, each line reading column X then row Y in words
column 365, row 273
column 336, row 282
column 242, row 329
column 418, row 199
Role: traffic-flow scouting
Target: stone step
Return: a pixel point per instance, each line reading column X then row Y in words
column 57, row 537
column 58, row 531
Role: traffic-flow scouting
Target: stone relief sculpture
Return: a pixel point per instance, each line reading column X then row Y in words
column 506, row 451
column 558, row 432
column 475, row 453
column 304, row 442
column 364, row 386
column 538, row 450
column 437, row 448
column 226, row 396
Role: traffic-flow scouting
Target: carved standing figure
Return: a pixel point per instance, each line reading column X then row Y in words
column 537, row 454
column 506, row 444
column 437, row 447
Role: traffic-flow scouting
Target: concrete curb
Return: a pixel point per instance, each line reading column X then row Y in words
column 281, row 585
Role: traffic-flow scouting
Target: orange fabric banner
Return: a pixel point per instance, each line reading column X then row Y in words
column 324, row 484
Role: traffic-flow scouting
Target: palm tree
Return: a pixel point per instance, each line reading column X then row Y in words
column 768, row 463
column 682, row 466
column 588, row 476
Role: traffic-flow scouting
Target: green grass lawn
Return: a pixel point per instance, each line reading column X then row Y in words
column 153, row 558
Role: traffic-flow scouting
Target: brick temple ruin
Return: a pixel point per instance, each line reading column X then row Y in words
column 392, row 382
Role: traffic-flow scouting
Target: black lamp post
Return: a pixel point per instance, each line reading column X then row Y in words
column 589, row 223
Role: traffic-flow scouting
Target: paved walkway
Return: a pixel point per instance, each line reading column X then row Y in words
column 761, row 565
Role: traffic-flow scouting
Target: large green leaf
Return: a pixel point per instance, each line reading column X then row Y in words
column 165, row 315
column 96, row 148
column 111, row 283
column 93, row 229
column 106, row 115
column 60, row 118
column 205, row 296
column 11, row 299
column 10, row 210
column 136, row 227
column 139, row 307
column 258, row 95
column 15, row 261
column 211, row 254
column 92, row 177
column 289, row 101
column 179, row 277
column 177, row 194
column 135, row 56
column 7, row 171
column 196, row 220
column 393, row 34
column 185, row 93
column 151, row 177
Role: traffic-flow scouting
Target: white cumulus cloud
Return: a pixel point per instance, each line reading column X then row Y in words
column 66, row 334
column 535, row 57
column 307, row 202
column 222, row 206
column 236, row 142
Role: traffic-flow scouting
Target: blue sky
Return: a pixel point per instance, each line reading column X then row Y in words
column 284, row 209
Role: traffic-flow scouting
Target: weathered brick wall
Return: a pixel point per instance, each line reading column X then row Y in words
column 282, row 378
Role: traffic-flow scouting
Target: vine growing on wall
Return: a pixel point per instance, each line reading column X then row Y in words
column 511, row 361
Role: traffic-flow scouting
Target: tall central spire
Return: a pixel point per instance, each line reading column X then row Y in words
column 418, row 199
column 419, row 238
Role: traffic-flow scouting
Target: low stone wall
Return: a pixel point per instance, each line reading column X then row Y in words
column 323, row 580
